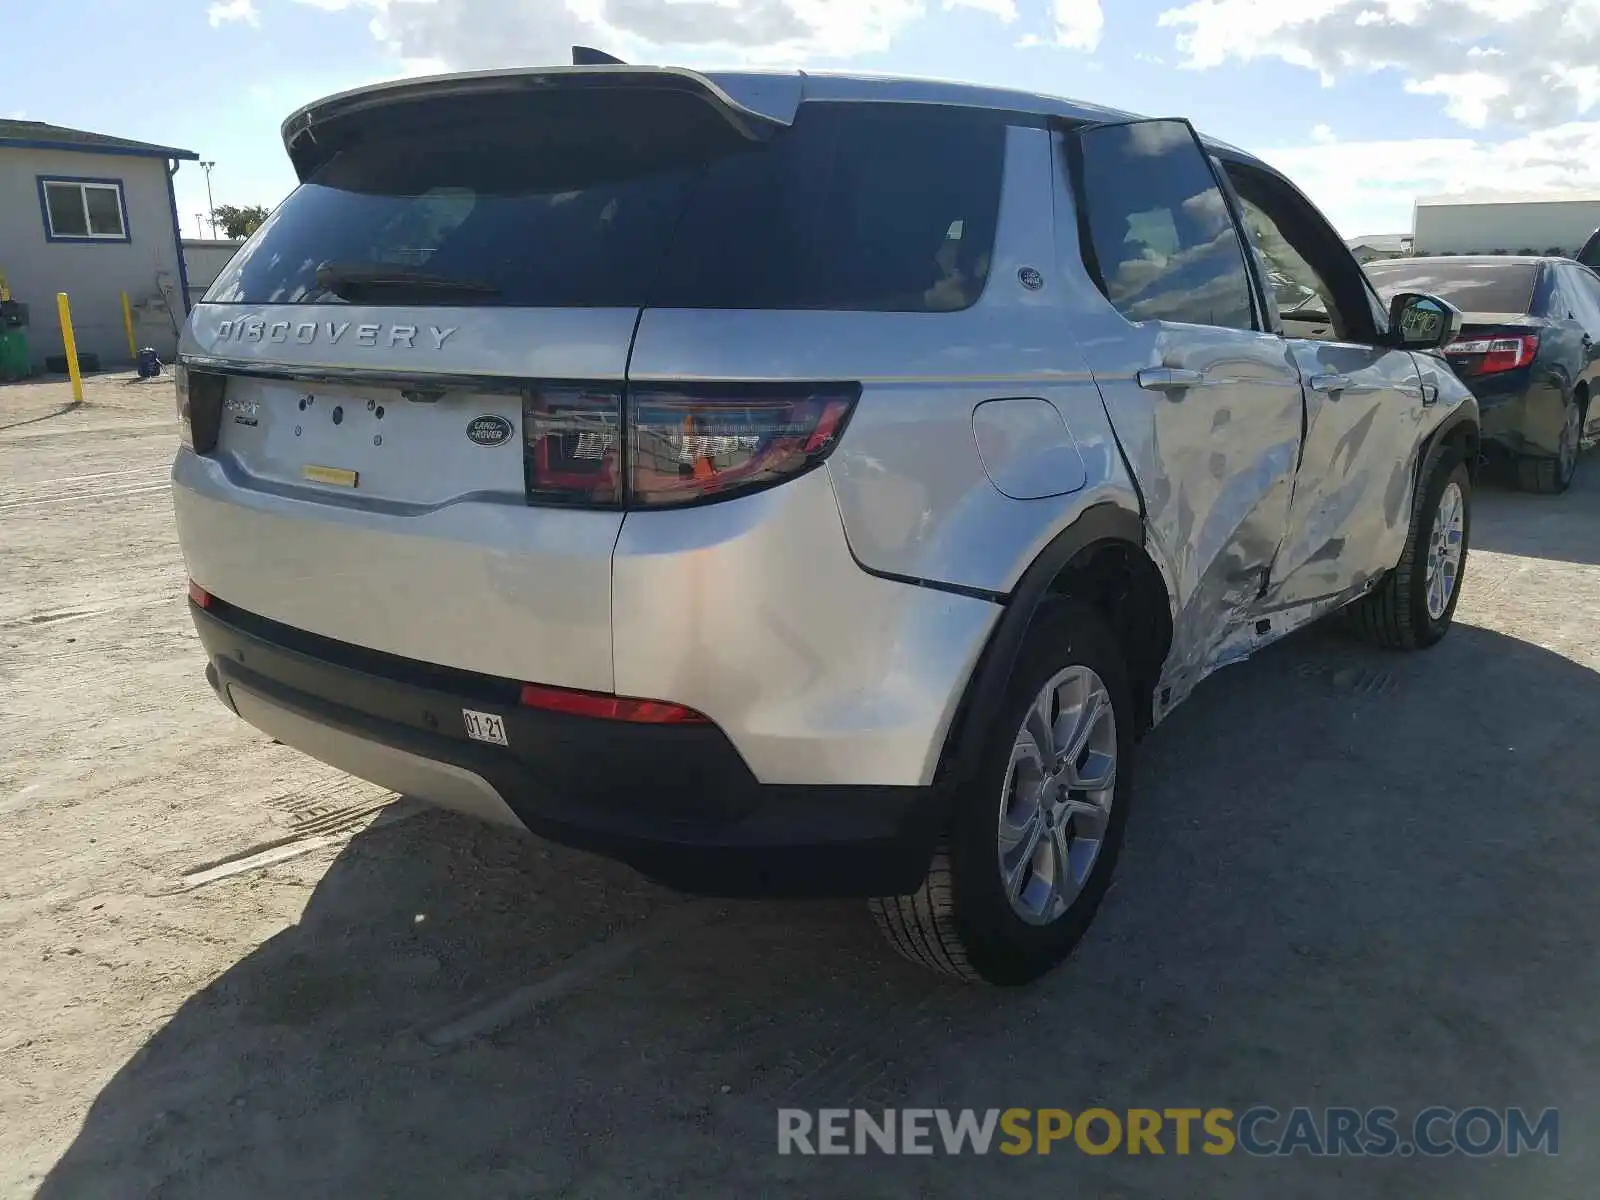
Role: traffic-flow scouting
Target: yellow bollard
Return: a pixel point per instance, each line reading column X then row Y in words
column 127, row 323
column 64, row 310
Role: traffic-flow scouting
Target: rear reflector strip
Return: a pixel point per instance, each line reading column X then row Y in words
column 608, row 707
column 199, row 595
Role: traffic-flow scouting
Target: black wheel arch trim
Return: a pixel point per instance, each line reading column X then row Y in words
column 1466, row 416
column 1106, row 521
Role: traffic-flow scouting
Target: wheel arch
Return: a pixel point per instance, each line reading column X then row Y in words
column 1099, row 559
column 1459, row 433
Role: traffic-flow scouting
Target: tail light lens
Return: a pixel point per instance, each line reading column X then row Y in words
column 199, row 595
column 673, row 445
column 1486, row 356
column 705, row 443
column 573, row 446
column 199, row 407
column 612, row 708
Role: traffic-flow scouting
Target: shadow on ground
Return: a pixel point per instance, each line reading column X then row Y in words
column 72, row 406
column 1353, row 879
column 1564, row 527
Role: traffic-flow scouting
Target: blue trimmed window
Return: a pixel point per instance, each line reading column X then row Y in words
column 83, row 210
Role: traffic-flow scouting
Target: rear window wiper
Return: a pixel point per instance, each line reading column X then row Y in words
column 356, row 281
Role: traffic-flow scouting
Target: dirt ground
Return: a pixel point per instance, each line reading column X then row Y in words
column 1352, row 878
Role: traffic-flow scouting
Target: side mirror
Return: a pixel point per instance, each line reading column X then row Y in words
column 1418, row 321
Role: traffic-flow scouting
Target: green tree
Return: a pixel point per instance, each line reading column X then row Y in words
column 239, row 223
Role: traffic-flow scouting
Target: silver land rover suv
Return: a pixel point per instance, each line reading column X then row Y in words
column 792, row 483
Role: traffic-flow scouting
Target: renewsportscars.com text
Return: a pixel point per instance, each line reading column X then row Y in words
column 1261, row 1131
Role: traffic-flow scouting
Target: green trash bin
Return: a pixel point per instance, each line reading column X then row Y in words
column 14, row 356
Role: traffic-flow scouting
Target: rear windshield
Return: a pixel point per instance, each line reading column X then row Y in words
column 856, row 206
column 1483, row 287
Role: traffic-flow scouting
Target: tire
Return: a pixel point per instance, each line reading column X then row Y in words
column 1552, row 476
column 961, row 921
column 1397, row 614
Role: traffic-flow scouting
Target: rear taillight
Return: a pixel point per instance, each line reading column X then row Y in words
column 687, row 445
column 199, row 595
column 1488, row 355
column 573, row 450
column 669, row 445
column 199, row 407
column 608, row 707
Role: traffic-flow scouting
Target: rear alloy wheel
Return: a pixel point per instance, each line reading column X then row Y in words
column 1414, row 604
column 1056, row 802
column 1035, row 836
column 1554, row 475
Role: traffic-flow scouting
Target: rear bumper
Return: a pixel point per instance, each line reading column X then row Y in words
column 678, row 803
column 1525, row 422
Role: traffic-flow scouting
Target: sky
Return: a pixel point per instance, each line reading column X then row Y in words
column 1367, row 104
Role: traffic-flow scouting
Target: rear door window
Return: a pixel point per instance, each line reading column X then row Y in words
column 1589, row 282
column 856, row 206
column 1162, row 242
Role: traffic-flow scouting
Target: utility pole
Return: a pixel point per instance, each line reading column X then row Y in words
column 211, row 204
column 200, row 223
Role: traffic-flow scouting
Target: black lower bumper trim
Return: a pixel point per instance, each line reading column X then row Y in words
column 676, row 802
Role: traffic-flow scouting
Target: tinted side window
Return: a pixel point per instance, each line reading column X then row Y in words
column 1162, row 245
column 1580, row 297
column 1553, row 300
column 887, row 207
column 1590, row 283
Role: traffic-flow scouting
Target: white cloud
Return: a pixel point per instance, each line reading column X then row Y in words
column 1372, row 186
column 1078, row 23
column 1075, row 25
column 225, row 11
column 1323, row 133
column 1528, row 62
column 465, row 34
column 1005, row 11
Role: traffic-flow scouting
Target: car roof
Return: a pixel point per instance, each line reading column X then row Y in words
column 777, row 93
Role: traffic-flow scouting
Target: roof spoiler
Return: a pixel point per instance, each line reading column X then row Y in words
column 314, row 133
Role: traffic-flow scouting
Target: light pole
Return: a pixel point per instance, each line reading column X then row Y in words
column 211, row 206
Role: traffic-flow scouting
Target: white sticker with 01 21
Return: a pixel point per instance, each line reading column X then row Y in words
column 484, row 727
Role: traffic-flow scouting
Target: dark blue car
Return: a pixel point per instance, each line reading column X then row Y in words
column 1528, row 350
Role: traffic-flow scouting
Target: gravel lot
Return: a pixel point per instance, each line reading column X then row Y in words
column 225, row 970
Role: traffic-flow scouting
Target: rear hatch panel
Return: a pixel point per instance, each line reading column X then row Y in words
column 515, row 222
column 407, row 532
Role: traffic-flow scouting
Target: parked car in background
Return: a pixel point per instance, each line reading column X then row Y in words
column 795, row 483
column 1528, row 350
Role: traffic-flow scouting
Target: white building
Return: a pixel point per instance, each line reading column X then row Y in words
column 203, row 260
column 1508, row 223
column 93, row 216
column 1369, row 247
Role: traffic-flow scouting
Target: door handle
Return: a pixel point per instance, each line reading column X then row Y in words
column 1330, row 383
column 1169, row 379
